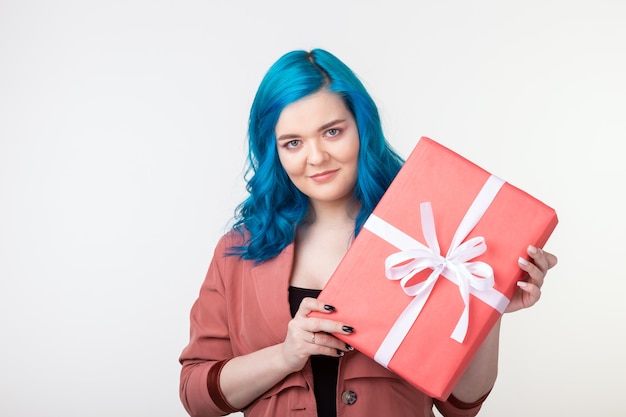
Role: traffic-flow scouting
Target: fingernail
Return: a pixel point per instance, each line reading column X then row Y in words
column 339, row 352
column 521, row 284
column 347, row 329
column 349, row 347
column 532, row 250
column 329, row 308
column 522, row 261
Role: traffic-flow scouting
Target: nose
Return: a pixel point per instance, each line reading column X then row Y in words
column 317, row 153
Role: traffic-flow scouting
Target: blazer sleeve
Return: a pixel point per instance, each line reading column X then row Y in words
column 453, row 407
column 209, row 341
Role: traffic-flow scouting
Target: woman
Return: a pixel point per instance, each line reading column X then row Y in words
column 318, row 165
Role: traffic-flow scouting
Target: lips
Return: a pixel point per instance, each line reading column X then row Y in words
column 324, row 176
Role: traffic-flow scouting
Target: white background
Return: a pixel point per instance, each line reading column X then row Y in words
column 122, row 138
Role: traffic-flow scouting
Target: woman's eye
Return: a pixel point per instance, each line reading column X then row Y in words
column 292, row 144
column 332, row 132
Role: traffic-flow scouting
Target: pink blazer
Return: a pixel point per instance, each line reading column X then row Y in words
column 243, row 307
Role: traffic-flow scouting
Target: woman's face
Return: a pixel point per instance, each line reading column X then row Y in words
column 318, row 146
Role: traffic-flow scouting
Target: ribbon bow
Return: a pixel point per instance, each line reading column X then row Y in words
column 404, row 265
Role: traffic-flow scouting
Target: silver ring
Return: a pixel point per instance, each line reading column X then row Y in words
column 313, row 339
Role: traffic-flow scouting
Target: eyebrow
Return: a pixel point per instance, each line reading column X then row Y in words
column 323, row 127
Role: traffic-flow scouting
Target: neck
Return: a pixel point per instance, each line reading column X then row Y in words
column 333, row 214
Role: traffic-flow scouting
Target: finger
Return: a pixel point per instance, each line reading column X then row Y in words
column 531, row 293
column 329, row 344
column 310, row 304
column 315, row 324
column 552, row 259
column 535, row 274
column 544, row 260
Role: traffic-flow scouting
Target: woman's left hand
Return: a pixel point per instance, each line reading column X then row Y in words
column 529, row 291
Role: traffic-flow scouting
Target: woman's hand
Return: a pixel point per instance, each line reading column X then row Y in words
column 529, row 291
column 312, row 336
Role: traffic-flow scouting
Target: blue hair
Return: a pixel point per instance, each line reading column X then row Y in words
column 275, row 207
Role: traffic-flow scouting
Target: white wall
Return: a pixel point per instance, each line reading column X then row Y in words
column 122, row 128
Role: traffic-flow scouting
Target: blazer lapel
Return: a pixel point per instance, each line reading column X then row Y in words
column 271, row 280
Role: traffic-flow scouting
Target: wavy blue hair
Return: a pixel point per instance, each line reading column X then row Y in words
column 275, row 207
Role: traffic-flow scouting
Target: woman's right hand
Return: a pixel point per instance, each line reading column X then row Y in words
column 308, row 336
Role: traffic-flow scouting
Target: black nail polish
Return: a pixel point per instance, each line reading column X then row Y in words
column 350, row 348
column 347, row 329
column 329, row 308
column 339, row 352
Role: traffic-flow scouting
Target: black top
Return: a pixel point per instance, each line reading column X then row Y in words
column 324, row 367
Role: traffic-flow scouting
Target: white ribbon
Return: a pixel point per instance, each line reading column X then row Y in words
column 474, row 278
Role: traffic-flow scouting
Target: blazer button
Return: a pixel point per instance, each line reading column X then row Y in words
column 348, row 397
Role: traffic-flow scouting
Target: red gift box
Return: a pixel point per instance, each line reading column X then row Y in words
column 435, row 266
